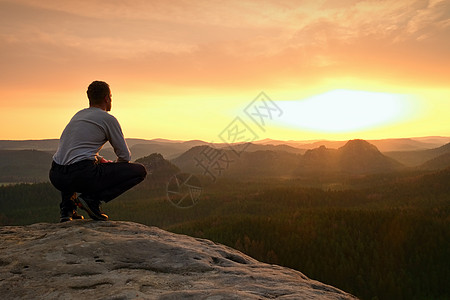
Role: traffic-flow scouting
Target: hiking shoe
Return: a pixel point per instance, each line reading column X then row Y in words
column 69, row 215
column 76, row 216
column 66, row 214
column 92, row 207
column 63, row 219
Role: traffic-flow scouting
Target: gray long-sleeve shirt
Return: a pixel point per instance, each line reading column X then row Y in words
column 87, row 132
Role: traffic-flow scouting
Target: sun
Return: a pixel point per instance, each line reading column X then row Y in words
column 342, row 110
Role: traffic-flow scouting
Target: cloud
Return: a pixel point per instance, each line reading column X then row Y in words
column 430, row 21
column 233, row 42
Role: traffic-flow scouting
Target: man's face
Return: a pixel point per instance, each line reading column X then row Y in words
column 109, row 102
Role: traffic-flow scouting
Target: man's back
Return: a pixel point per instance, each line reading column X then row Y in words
column 85, row 135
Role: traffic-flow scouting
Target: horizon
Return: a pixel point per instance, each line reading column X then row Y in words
column 255, row 141
column 319, row 70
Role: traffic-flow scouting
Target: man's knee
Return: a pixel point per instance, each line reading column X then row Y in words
column 140, row 170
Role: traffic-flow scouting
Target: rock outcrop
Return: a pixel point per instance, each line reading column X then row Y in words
column 356, row 157
column 122, row 260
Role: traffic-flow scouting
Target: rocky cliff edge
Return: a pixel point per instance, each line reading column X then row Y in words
column 124, row 260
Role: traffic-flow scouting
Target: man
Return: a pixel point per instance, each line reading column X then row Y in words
column 77, row 167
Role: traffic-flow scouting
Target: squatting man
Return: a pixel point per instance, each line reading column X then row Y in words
column 84, row 178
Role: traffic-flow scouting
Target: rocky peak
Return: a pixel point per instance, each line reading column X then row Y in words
column 360, row 156
column 123, row 260
column 355, row 146
column 319, row 153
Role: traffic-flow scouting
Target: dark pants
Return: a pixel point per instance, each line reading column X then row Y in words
column 101, row 182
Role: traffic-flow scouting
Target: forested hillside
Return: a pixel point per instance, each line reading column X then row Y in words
column 387, row 240
column 24, row 166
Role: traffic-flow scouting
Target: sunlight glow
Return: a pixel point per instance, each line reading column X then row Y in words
column 347, row 110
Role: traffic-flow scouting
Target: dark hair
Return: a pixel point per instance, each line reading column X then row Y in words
column 97, row 91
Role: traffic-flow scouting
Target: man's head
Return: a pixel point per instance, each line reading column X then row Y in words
column 99, row 95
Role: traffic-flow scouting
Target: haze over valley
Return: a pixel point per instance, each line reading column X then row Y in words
column 29, row 160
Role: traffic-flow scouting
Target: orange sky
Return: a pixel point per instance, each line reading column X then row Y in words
column 187, row 69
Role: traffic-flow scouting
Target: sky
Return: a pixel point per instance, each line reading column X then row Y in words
column 229, row 70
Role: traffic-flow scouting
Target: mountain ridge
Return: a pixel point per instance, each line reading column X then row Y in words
column 355, row 157
column 384, row 145
column 418, row 157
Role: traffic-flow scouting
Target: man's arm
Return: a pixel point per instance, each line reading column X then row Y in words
column 117, row 140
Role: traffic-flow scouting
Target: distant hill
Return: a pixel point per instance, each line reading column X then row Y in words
column 267, row 163
column 384, row 145
column 359, row 156
column 405, row 144
column 437, row 140
column 277, row 147
column 34, row 166
column 216, row 162
column 138, row 147
column 186, row 161
column 429, row 183
column 41, row 145
column 173, row 148
column 319, row 160
column 417, row 158
column 438, row 163
column 355, row 157
column 264, row 158
column 159, row 169
column 24, row 166
column 167, row 149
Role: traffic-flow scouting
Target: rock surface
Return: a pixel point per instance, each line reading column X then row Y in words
column 122, row 260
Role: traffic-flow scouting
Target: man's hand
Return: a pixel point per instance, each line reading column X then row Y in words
column 105, row 161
